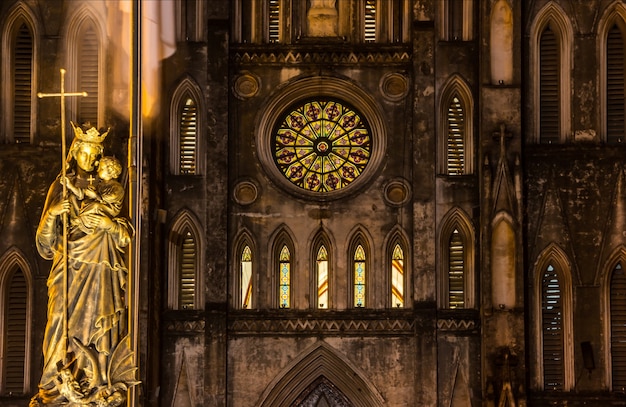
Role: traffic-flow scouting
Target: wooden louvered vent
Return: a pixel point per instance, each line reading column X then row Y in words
column 615, row 86
column 456, row 271
column 549, row 88
column 552, row 328
column 23, row 72
column 456, row 128
column 187, row 272
column 618, row 328
column 274, row 20
column 188, row 136
column 15, row 328
column 370, row 21
column 88, row 77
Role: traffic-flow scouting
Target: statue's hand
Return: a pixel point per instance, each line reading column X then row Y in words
column 60, row 207
column 92, row 220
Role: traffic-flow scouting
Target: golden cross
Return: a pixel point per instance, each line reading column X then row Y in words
column 62, row 95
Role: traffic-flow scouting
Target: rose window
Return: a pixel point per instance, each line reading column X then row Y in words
column 322, row 145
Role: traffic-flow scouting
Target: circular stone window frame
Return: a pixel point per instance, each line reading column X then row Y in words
column 311, row 89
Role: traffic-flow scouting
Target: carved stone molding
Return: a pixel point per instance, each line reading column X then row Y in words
column 456, row 325
column 185, row 327
column 260, row 326
column 297, row 57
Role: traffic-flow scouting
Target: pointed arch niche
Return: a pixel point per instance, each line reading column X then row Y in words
column 186, row 124
column 501, row 43
column 503, row 261
column 20, row 48
column 185, row 257
column 16, row 299
column 321, row 364
column 552, row 304
column 456, row 117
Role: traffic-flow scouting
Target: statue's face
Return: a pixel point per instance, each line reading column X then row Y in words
column 86, row 156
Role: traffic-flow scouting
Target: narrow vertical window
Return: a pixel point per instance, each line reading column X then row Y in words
column 552, row 330
column 359, row 277
column 322, row 278
column 274, row 20
column 284, row 271
column 88, row 77
column 22, row 82
column 187, row 272
column 618, row 328
column 549, row 88
column 397, row 277
column 370, row 21
column 188, row 137
column 15, row 338
column 456, row 271
column 615, row 100
column 246, row 278
column 456, row 135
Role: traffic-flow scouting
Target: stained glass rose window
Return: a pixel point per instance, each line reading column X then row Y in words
column 322, row 145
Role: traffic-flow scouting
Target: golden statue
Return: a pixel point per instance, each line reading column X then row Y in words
column 87, row 356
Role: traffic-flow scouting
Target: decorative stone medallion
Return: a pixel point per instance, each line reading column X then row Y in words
column 246, row 85
column 394, row 86
column 245, row 193
column 397, row 192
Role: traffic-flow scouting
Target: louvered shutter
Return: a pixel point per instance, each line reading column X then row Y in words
column 15, row 328
column 455, row 144
column 615, row 86
column 552, row 329
column 88, row 77
column 187, row 272
column 549, row 110
column 22, row 82
column 618, row 328
column 188, row 137
column 370, row 21
column 274, row 20
column 456, row 271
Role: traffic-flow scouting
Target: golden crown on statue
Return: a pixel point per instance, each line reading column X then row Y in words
column 91, row 135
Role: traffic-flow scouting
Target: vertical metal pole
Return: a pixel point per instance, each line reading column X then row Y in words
column 134, row 172
column 64, row 217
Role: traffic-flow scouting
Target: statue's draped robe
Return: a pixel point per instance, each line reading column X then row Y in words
column 96, row 280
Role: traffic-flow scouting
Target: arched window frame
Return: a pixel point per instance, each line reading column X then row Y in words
column 244, row 240
column 457, row 87
column 183, row 222
column 360, row 240
column 457, row 219
column 81, row 17
column 617, row 257
column 467, row 21
column 13, row 260
column 322, row 239
column 615, row 14
column 283, row 239
column 552, row 15
column 397, row 238
column 553, row 256
column 19, row 14
column 186, row 89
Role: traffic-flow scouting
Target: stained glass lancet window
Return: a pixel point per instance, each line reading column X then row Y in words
column 322, row 278
column 552, row 330
column 456, row 271
column 359, row 277
column 284, row 273
column 397, row 277
column 322, row 145
column 618, row 328
column 246, row 278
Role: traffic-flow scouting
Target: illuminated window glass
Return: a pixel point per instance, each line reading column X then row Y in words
column 552, row 329
column 322, row 278
column 188, row 136
column 397, row 277
column 246, row 278
column 456, row 271
column 359, row 277
column 618, row 328
column 284, row 278
column 456, row 134
column 322, row 145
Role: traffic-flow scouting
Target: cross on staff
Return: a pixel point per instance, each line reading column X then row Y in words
column 63, row 95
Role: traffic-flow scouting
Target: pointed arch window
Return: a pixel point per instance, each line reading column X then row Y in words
column 22, row 83
column 456, row 137
column 185, row 257
column 360, row 277
column 187, row 271
column 322, row 278
column 456, row 270
column 188, row 131
column 397, row 277
column 549, row 87
column 246, row 277
column 284, row 278
column 88, row 71
column 615, row 94
column 552, row 329
column 370, row 21
column 618, row 327
column 15, row 339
